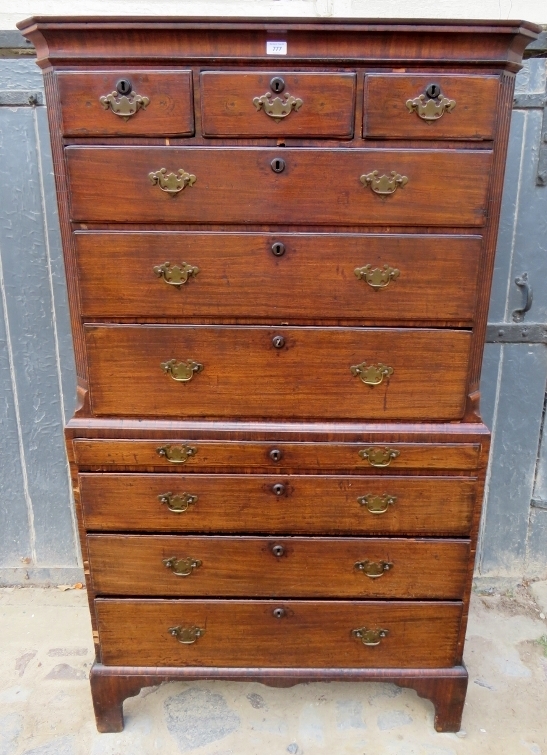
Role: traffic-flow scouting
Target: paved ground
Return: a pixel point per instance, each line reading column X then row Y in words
column 45, row 704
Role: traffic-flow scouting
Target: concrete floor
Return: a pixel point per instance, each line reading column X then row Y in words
column 45, row 703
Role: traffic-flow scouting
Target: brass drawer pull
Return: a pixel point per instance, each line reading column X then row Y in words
column 178, row 504
column 383, row 185
column 182, row 567
column 372, row 374
column 374, row 569
column 172, row 183
column 123, row 101
column 182, row 372
column 377, row 504
column 370, row 637
column 176, row 275
column 177, row 454
column 377, row 277
column 279, row 107
column 379, row 457
column 432, row 105
column 186, row 635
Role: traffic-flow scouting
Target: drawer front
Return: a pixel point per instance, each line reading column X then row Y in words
column 281, row 567
column 316, row 187
column 158, row 103
column 277, row 104
column 247, row 373
column 194, row 455
column 278, row 504
column 241, row 633
column 397, row 106
column 362, row 277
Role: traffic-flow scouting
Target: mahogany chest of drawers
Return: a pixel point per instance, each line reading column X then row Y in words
column 279, row 239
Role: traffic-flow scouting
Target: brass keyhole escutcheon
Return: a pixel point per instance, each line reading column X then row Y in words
column 379, row 457
column 369, row 637
column 278, row 342
column 279, row 613
column 377, row 504
column 178, row 504
column 276, row 454
column 186, row 635
column 374, row 569
column 277, row 84
column 278, row 248
column 177, row 454
column 278, row 550
column 278, row 489
column 182, row 567
column 124, row 86
column 278, row 165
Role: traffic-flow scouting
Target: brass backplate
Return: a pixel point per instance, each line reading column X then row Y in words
column 370, row 637
column 182, row 567
column 377, row 504
column 378, row 456
column 371, row 374
column 172, row 183
column 377, row 277
column 186, row 635
column 384, row 185
column 183, row 371
column 430, row 110
column 178, row 504
column 176, row 275
column 278, row 108
column 177, row 454
column 374, row 569
column 124, row 105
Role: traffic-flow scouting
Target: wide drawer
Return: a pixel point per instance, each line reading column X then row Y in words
column 316, row 187
column 291, row 567
column 399, row 106
column 250, row 456
column 269, row 103
column 307, row 634
column 305, row 504
column 252, row 372
column 353, row 276
column 154, row 103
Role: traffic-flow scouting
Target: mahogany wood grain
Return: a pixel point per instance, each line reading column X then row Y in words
column 303, row 505
column 317, row 187
column 309, row 567
column 387, row 116
column 247, row 634
column 306, row 457
column 240, row 276
column 169, row 112
column 227, row 107
column 245, row 375
column 168, row 40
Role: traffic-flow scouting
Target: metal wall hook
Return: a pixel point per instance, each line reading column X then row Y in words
column 522, row 282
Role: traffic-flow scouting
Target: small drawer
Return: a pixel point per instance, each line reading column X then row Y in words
column 127, row 103
column 266, row 633
column 430, row 106
column 256, row 372
column 282, row 276
column 315, row 187
column 277, row 104
column 290, row 567
column 296, row 504
column 192, row 455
